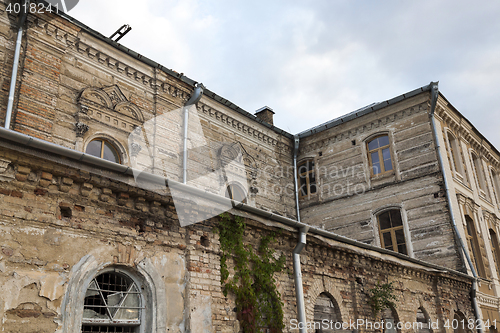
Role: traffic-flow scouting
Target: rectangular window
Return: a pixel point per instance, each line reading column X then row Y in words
column 307, row 179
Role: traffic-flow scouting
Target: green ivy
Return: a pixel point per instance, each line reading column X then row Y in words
column 381, row 297
column 258, row 302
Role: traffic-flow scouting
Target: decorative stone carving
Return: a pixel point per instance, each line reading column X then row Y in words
column 81, row 129
column 6, row 173
column 135, row 149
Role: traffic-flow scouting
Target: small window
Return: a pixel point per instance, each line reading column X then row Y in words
column 113, row 303
column 236, row 193
column 480, row 175
column 496, row 184
column 455, row 160
column 379, row 155
column 423, row 321
column 392, row 235
column 307, row 179
column 326, row 310
column 474, row 246
column 496, row 250
column 103, row 149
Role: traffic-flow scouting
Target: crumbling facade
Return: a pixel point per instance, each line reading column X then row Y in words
column 88, row 244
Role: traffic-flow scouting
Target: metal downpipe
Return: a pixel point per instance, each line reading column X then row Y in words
column 195, row 97
column 434, row 97
column 15, row 67
column 297, row 270
column 296, row 140
column 297, row 274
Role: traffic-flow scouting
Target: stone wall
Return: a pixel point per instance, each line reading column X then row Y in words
column 74, row 88
column 62, row 222
column 349, row 197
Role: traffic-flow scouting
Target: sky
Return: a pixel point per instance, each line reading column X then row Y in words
column 314, row 60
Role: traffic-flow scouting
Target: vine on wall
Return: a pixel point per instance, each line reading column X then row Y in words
column 382, row 297
column 258, row 302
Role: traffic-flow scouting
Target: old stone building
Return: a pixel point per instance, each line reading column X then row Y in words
column 114, row 169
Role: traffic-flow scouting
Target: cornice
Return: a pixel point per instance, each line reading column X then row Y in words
column 488, row 300
column 249, row 131
column 355, row 132
column 74, row 43
column 465, row 132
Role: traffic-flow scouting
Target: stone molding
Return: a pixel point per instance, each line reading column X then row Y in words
column 465, row 133
column 353, row 133
column 243, row 128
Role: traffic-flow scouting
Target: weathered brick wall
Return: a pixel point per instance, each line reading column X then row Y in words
column 61, row 221
column 69, row 77
column 349, row 196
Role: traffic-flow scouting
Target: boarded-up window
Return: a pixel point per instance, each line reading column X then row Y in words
column 326, row 310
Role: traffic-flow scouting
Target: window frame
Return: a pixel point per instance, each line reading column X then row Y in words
column 392, row 231
column 111, row 145
column 139, row 326
column 230, row 190
column 495, row 249
column 477, row 164
column 307, row 175
column 380, row 155
column 495, row 182
column 455, row 155
column 474, row 247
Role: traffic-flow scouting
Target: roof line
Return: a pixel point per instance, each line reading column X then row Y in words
column 173, row 73
column 363, row 111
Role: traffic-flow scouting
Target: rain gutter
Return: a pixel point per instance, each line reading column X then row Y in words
column 15, row 67
column 297, row 270
column 41, row 145
column 434, row 98
column 195, row 98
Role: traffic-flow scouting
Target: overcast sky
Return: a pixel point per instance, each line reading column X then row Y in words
column 312, row 61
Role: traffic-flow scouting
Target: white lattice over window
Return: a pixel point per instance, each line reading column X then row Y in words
column 112, row 304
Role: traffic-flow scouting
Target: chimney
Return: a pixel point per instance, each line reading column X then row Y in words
column 266, row 114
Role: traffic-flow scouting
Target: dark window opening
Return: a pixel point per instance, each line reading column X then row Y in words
column 307, row 179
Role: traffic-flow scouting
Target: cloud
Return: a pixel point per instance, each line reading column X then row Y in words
column 314, row 60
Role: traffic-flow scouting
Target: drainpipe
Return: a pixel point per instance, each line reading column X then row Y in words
column 434, row 97
column 15, row 67
column 195, row 97
column 297, row 271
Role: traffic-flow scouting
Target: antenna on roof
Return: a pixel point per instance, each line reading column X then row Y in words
column 121, row 32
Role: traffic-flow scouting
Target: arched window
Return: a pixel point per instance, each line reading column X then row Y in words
column 459, row 318
column 390, row 319
column 423, row 321
column 236, row 193
column 326, row 309
column 496, row 184
column 103, row 149
column 455, row 159
column 474, row 246
column 478, row 166
column 392, row 235
column 379, row 155
column 495, row 249
column 307, row 178
column 113, row 303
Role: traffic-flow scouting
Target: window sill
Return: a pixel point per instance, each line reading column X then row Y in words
column 384, row 178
